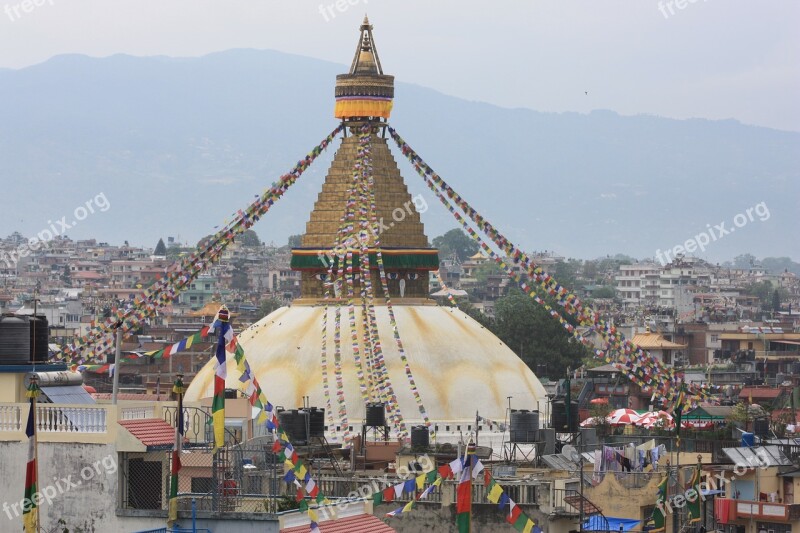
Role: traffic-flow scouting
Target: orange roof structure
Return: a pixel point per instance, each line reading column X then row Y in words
column 654, row 341
column 210, row 309
column 152, row 432
column 364, row 523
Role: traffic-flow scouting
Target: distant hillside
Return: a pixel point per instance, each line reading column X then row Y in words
column 178, row 144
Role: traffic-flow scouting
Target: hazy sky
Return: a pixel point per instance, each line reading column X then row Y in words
column 713, row 58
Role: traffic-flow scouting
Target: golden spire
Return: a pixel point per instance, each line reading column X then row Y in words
column 364, row 92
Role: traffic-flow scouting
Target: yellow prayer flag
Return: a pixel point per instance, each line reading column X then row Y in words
column 407, row 507
column 494, row 494
column 528, row 526
column 312, row 515
column 420, row 481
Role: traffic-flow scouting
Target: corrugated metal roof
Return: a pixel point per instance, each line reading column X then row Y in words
column 365, row 523
column 757, row 456
column 68, row 394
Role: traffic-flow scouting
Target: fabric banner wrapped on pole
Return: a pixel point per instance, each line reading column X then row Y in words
column 693, row 504
column 30, row 508
column 658, row 521
column 178, row 389
column 218, row 403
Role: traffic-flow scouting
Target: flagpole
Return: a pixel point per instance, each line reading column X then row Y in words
column 178, row 389
column 35, row 381
column 117, row 354
column 34, row 393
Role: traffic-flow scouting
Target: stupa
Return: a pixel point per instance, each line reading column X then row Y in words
column 459, row 368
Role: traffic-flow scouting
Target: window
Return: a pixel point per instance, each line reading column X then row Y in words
column 714, row 338
column 772, row 527
column 201, row 485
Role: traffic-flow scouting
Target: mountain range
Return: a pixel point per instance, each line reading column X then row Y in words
column 177, row 144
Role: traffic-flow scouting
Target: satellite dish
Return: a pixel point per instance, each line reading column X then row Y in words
column 571, row 453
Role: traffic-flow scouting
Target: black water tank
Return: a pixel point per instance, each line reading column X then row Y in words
column 317, row 422
column 293, row 422
column 15, row 340
column 524, row 425
column 40, row 338
column 560, row 422
column 376, row 415
column 761, row 427
column 420, row 437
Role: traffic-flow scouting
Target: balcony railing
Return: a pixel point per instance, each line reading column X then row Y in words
column 56, row 418
column 60, row 418
column 11, row 417
column 136, row 413
column 767, row 510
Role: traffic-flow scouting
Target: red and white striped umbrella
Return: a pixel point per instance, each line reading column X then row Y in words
column 653, row 419
column 623, row 417
column 589, row 422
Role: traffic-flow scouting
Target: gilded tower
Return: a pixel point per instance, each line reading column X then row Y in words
column 364, row 99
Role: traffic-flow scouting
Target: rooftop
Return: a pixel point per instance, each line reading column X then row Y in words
column 152, row 432
column 361, row 523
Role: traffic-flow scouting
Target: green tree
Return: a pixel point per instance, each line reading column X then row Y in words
column 538, row 339
column 604, row 292
column 763, row 290
column 488, row 268
column 239, row 279
column 744, row 261
column 161, row 248
column 295, row 241
column 268, row 306
column 250, row 238
column 566, row 272
column 455, row 241
column 590, row 270
column 776, row 300
column 777, row 265
column 66, row 276
column 476, row 314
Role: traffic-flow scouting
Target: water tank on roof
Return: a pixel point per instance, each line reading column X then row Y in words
column 524, row 425
column 376, row 415
column 761, row 427
column 316, row 425
column 15, row 340
column 420, row 437
column 563, row 423
column 293, row 422
column 40, row 338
